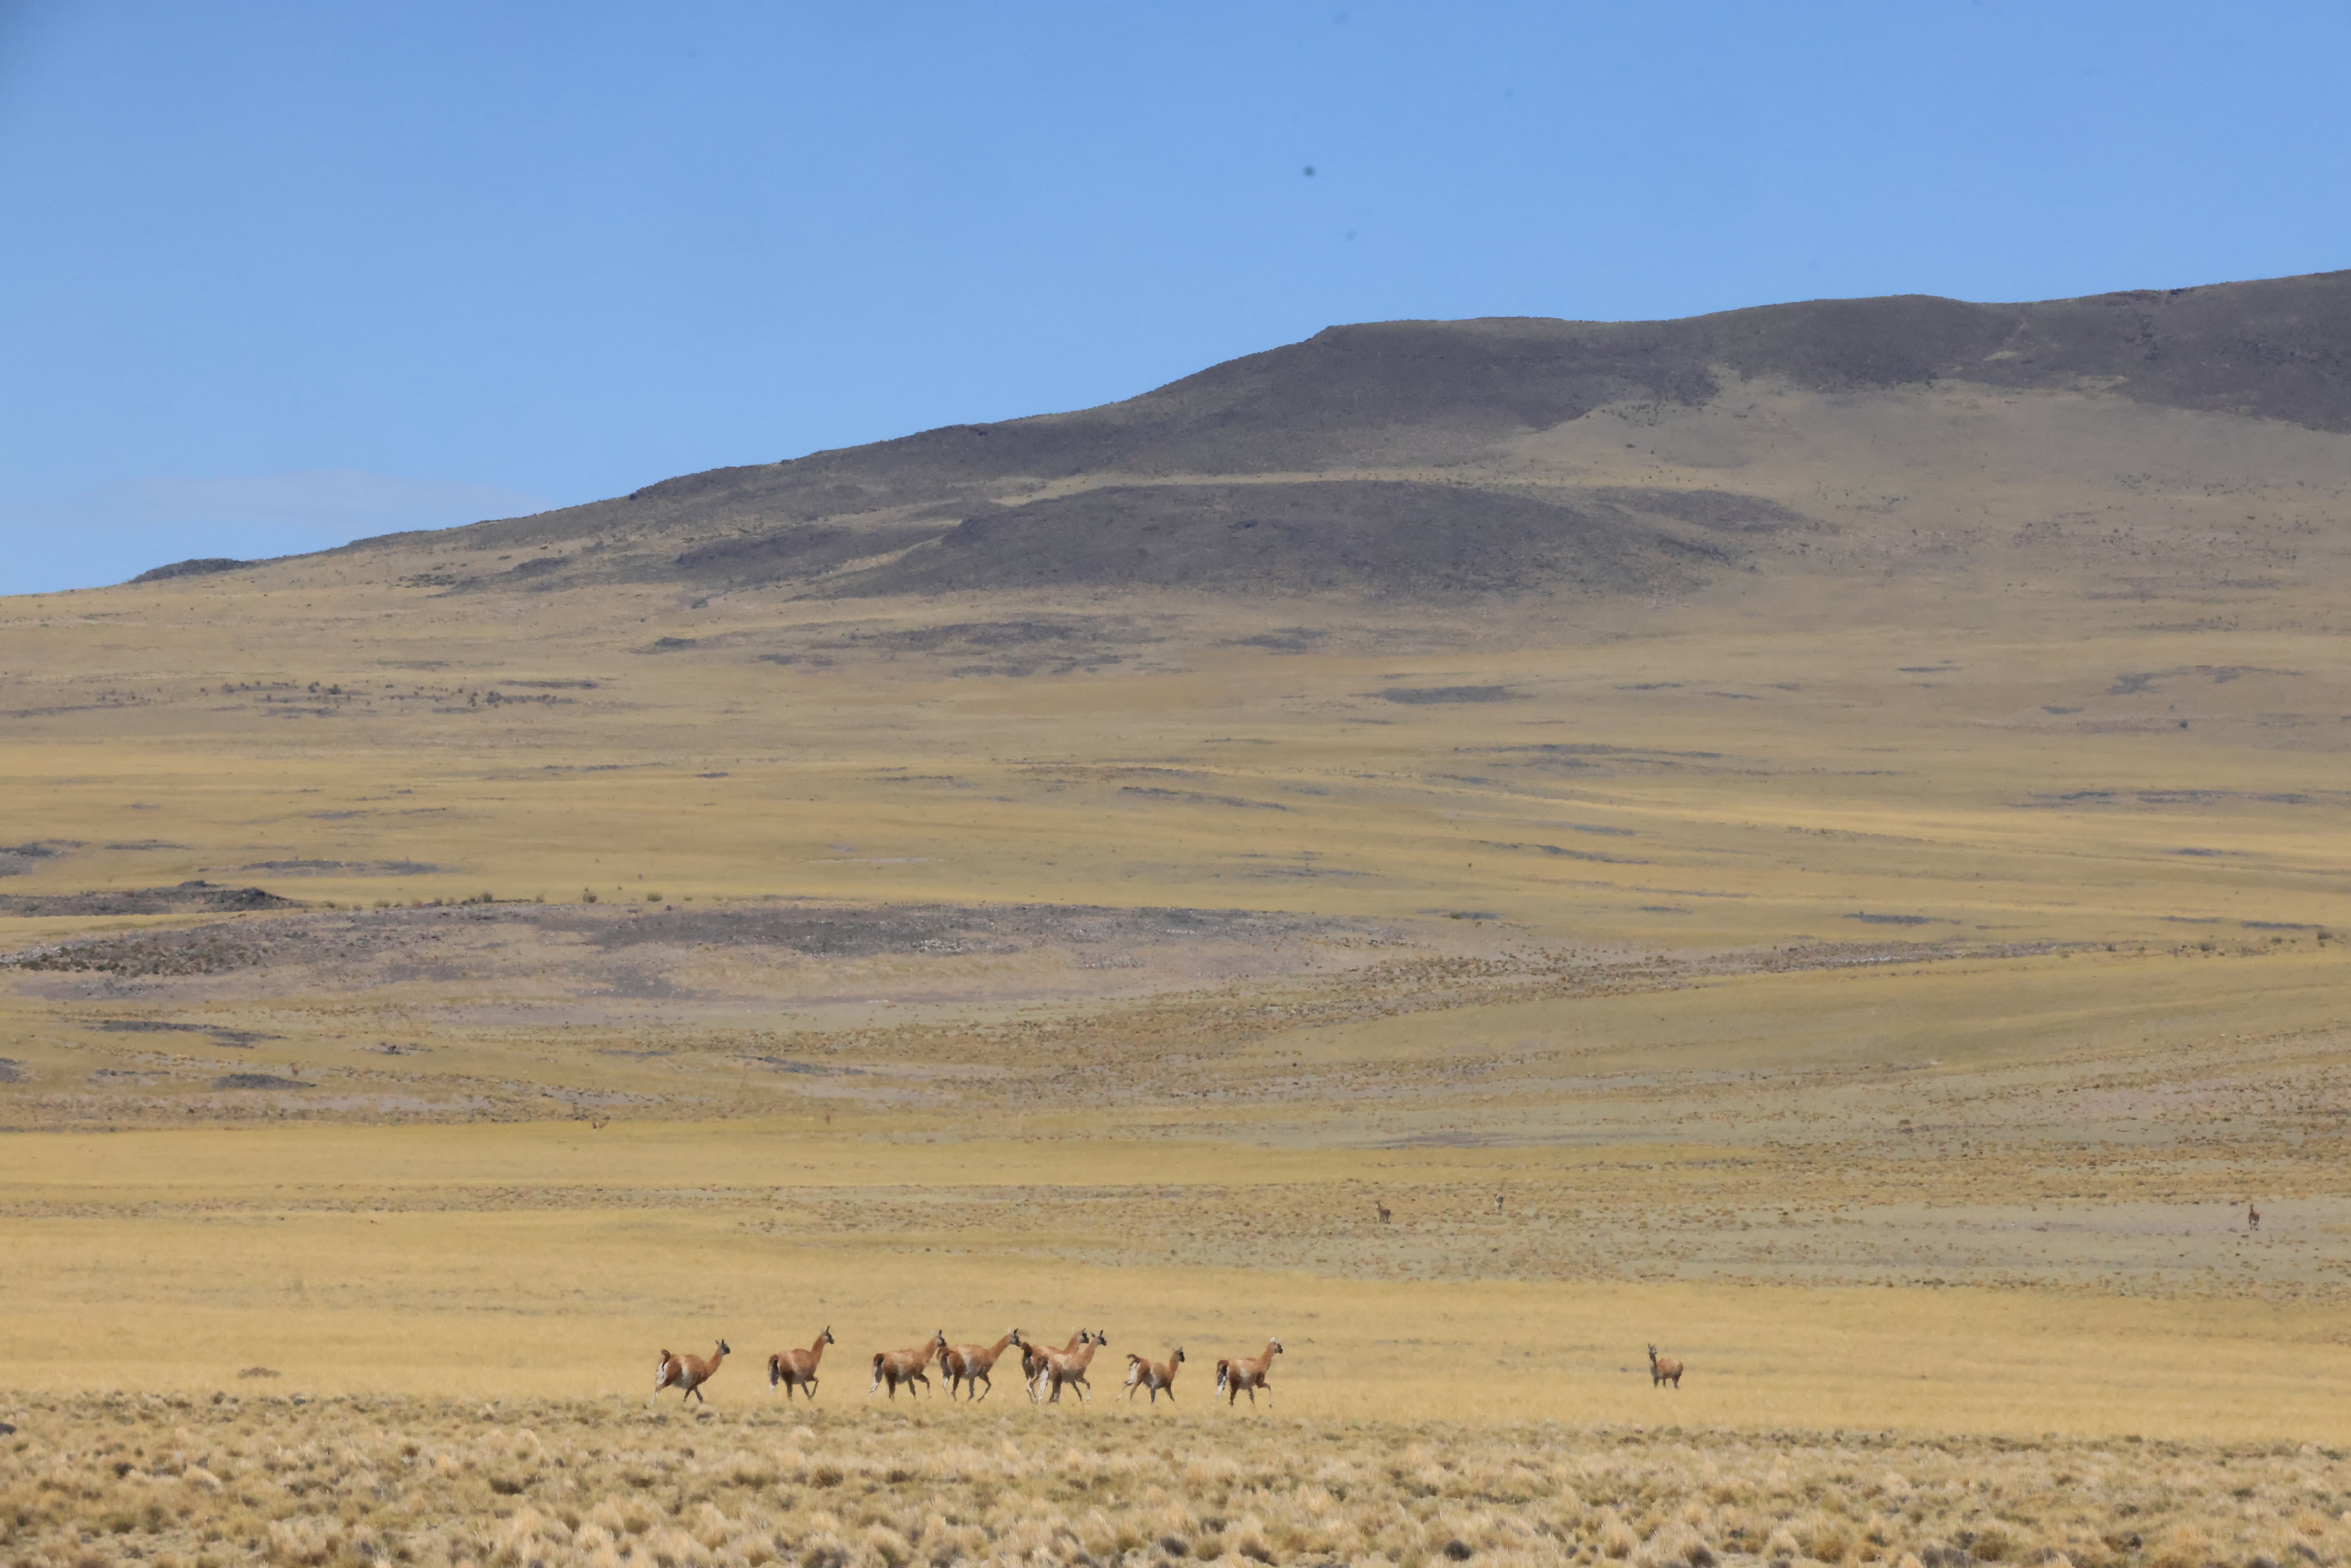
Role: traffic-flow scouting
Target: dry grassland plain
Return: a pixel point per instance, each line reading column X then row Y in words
column 1887, row 981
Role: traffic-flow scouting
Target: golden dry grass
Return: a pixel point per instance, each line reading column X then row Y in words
column 174, row 1480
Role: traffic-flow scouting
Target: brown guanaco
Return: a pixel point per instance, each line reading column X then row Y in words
column 1066, row 1369
column 797, row 1368
column 687, row 1372
column 1248, row 1374
column 896, row 1366
column 969, row 1365
column 1159, row 1376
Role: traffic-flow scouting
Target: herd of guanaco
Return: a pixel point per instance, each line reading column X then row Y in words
column 1043, row 1370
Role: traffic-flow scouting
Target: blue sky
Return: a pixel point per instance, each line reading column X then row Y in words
column 274, row 276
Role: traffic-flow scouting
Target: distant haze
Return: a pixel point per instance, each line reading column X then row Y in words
column 113, row 532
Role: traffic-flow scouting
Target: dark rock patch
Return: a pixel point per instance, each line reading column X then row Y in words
column 1387, row 538
column 184, row 896
column 16, row 860
column 201, row 566
column 1284, row 640
column 1450, row 695
column 242, row 1038
column 1195, row 798
column 347, row 868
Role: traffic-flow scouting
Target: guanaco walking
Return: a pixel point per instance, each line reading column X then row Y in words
column 1248, row 1374
column 896, row 1366
column 797, row 1368
column 1663, row 1369
column 969, row 1365
column 1066, row 1369
column 1159, row 1376
column 1032, row 1355
column 686, row 1372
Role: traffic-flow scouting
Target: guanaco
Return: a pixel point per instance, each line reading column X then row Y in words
column 1159, row 1377
column 969, row 1365
column 1248, row 1374
column 1032, row 1355
column 2252, row 1217
column 686, row 1372
column 1663, row 1369
column 1382, row 1208
column 896, row 1366
column 797, row 1368
column 1066, row 1369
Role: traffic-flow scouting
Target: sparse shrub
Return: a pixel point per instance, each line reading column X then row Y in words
column 1511, row 1493
column 653, row 898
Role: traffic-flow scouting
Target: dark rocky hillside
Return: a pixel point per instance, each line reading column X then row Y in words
column 1387, row 538
column 1390, row 395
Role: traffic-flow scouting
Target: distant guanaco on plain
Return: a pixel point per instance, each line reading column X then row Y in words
column 969, row 1365
column 1159, row 1377
column 1663, row 1369
column 2252, row 1217
column 797, row 1368
column 1382, row 1208
column 896, row 1366
column 1248, row 1374
column 687, row 1372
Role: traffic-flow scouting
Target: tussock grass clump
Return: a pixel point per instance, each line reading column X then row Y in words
column 179, row 1481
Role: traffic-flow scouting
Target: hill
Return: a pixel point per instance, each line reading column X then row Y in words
column 1419, row 404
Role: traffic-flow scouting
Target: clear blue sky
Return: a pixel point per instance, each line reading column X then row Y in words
column 276, row 275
